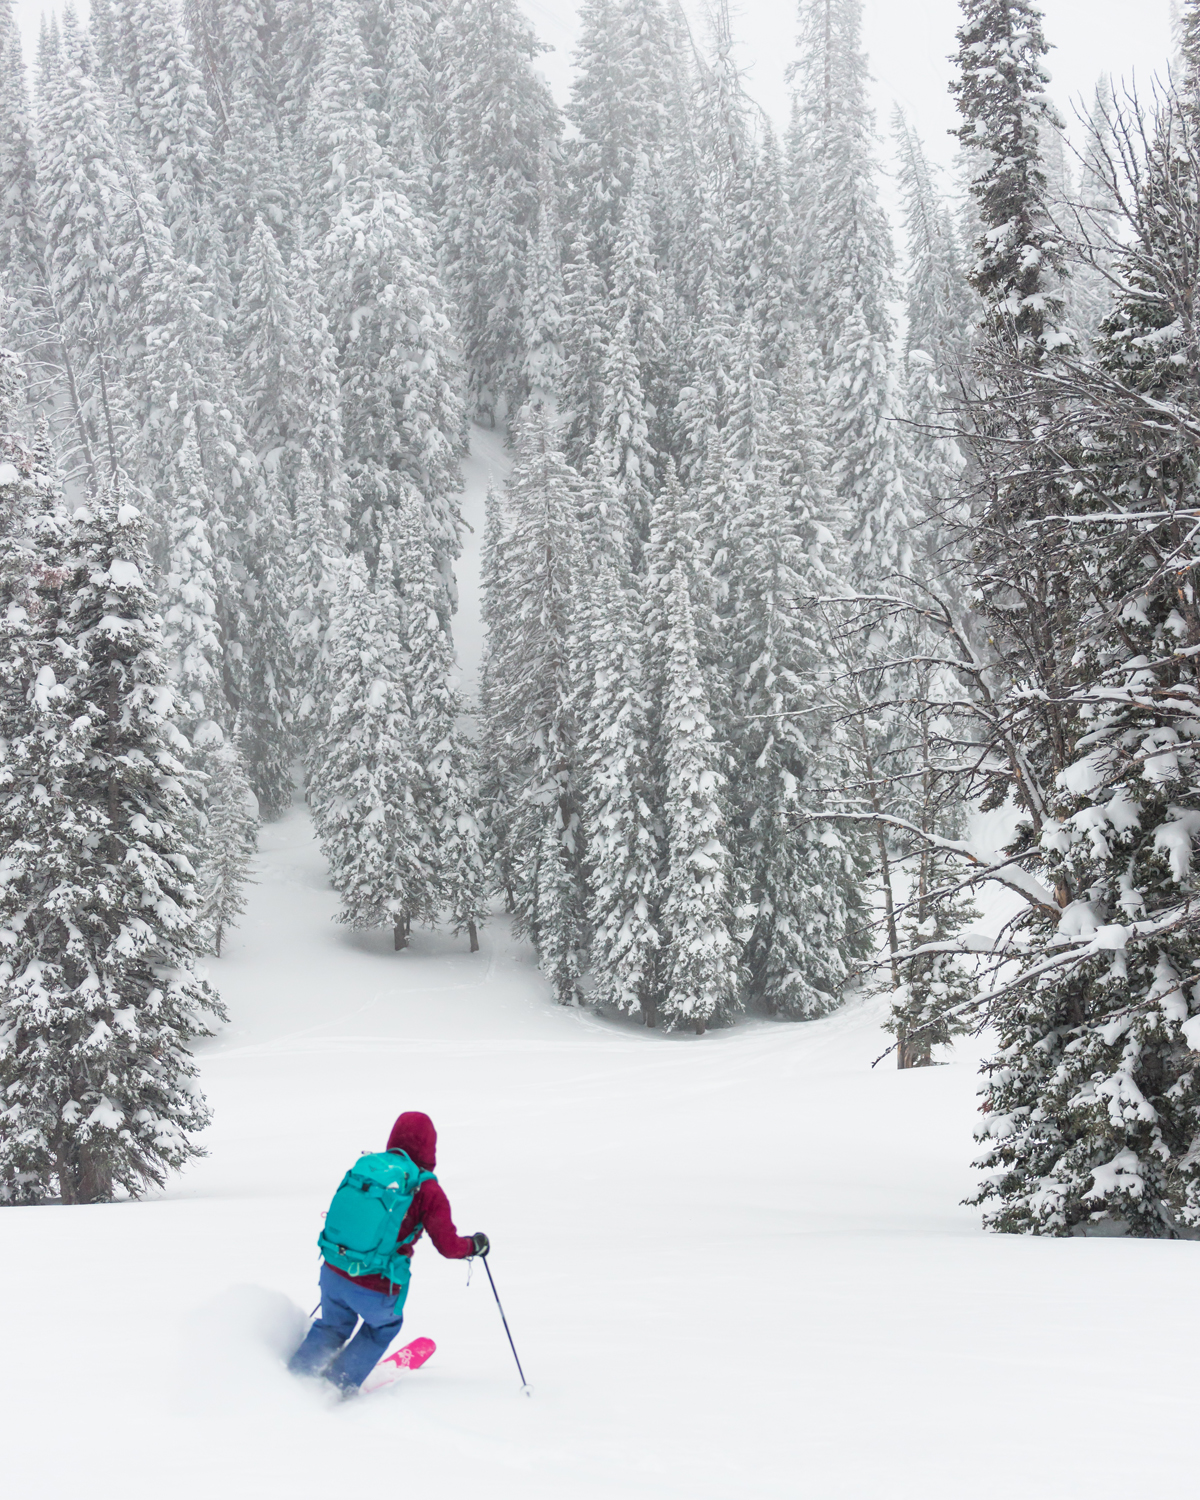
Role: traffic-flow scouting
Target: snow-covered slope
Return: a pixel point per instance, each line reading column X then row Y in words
column 734, row 1265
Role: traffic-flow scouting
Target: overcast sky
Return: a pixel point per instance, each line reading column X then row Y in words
column 908, row 42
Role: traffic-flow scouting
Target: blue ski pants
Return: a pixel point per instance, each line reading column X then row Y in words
column 330, row 1350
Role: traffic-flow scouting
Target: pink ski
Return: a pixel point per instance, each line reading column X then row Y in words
column 411, row 1357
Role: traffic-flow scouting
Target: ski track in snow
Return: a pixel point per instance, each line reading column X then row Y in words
column 734, row 1266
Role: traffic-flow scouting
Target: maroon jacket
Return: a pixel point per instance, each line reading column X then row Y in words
column 413, row 1133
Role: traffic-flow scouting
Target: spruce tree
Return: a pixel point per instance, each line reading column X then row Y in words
column 500, row 118
column 700, row 968
column 313, row 559
column 191, row 635
column 544, row 309
column 400, row 374
column 621, row 807
column 1000, row 90
column 99, row 245
column 847, row 256
column 267, row 681
column 445, row 795
column 363, row 770
column 531, row 701
column 100, row 996
column 227, row 845
column 152, row 61
column 1093, row 1102
column 804, row 916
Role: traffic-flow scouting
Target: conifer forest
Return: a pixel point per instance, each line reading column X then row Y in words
column 828, row 546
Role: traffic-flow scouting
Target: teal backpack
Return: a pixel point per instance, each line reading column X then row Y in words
column 364, row 1219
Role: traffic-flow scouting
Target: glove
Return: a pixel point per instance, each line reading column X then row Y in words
column 481, row 1243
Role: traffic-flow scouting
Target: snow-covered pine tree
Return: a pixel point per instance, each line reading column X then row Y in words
column 637, row 304
column 495, row 788
column 151, row 58
column 445, row 796
column 192, row 646
column 499, row 118
column 700, row 985
column 620, row 802
column 530, row 705
column 400, row 373
column 227, row 845
column 933, row 985
column 267, row 684
column 100, row 995
column 314, row 557
column 96, row 252
column 584, row 350
column 278, row 378
column 939, row 310
column 803, row 916
column 544, row 309
column 1093, row 1100
column 28, row 315
column 622, row 450
column 845, row 250
column 32, row 536
column 1001, row 94
column 363, row 769
column 626, row 101
column 764, row 255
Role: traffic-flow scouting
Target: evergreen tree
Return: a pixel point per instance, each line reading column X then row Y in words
column 500, row 117
column 313, row 558
column 29, row 317
column 445, row 795
column 544, row 309
column 845, row 246
column 364, row 768
column 1001, row 94
column 228, row 844
column 100, row 998
column 192, row 638
column 399, row 371
column 267, row 680
column 99, row 244
column 1093, row 1102
column 621, row 808
column 700, row 967
column 804, row 916
column 938, row 320
column 153, row 65
column 764, row 256
column 530, row 723
column 626, row 102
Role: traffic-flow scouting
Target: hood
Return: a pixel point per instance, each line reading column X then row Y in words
column 414, row 1134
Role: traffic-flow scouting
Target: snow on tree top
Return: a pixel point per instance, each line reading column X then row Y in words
column 124, row 574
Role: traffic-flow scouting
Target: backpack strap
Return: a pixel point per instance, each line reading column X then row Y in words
column 422, row 1178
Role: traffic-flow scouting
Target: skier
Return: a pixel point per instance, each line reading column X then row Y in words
column 378, row 1299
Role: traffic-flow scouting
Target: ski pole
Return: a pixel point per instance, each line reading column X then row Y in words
column 504, row 1320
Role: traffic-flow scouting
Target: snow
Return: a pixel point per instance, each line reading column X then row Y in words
column 124, row 574
column 733, row 1265
column 8, row 474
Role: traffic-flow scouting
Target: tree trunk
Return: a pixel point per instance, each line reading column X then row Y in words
column 473, row 934
column 400, row 933
column 700, row 1028
column 84, row 1177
